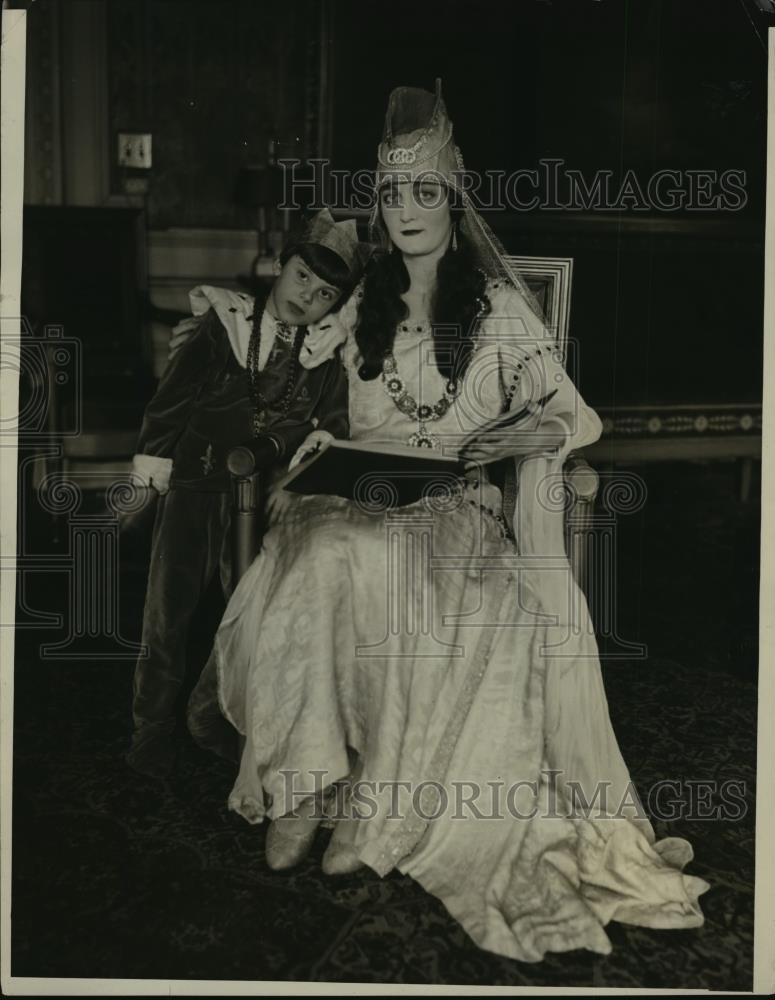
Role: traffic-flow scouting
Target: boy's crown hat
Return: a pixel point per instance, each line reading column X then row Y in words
column 339, row 237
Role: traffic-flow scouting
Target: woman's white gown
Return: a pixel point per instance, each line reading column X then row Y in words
column 459, row 672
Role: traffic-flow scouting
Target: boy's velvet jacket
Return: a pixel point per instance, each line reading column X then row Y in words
column 202, row 407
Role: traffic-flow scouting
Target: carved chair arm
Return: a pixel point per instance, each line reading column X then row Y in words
column 249, row 465
column 247, row 487
column 583, row 483
column 582, row 478
column 247, row 459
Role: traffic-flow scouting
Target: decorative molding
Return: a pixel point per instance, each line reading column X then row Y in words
column 682, row 421
column 692, row 433
column 181, row 259
column 176, row 255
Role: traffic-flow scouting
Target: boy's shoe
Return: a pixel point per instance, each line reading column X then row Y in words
column 208, row 728
column 152, row 752
column 218, row 738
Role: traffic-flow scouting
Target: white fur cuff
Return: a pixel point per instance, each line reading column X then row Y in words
column 153, row 471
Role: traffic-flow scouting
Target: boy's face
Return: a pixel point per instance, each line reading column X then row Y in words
column 299, row 296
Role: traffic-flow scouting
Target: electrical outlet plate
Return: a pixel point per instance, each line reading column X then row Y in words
column 134, row 150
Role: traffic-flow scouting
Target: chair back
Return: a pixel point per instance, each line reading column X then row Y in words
column 549, row 279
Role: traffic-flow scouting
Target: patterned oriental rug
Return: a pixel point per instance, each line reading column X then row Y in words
column 116, row 875
column 119, row 876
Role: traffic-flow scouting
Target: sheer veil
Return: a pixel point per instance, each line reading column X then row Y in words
column 418, row 142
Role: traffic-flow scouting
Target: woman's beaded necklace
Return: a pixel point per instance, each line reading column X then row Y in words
column 423, row 413
column 406, row 403
column 260, row 402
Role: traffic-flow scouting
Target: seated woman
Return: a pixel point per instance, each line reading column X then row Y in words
column 418, row 653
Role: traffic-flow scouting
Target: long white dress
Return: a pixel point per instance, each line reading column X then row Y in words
column 460, row 674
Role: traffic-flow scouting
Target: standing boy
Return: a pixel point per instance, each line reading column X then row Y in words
column 250, row 368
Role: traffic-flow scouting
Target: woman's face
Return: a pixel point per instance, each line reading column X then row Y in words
column 416, row 215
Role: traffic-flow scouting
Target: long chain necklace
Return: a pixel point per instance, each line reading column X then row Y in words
column 260, row 403
column 423, row 413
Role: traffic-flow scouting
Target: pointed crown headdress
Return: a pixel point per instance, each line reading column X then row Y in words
column 418, row 141
column 417, row 137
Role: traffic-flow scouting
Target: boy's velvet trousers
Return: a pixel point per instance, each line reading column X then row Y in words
column 191, row 543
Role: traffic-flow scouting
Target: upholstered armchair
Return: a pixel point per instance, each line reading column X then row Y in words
column 549, row 278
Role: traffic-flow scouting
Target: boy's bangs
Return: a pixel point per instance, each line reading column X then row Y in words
column 327, row 265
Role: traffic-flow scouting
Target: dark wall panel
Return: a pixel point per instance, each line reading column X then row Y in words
column 667, row 305
column 214, row 83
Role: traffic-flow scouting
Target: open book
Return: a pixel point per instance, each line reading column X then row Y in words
column 375, row 475
column 394, row 475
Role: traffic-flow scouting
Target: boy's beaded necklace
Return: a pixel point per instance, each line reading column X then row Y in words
column 260, row 403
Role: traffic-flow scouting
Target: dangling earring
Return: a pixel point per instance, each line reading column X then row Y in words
column 454, row 238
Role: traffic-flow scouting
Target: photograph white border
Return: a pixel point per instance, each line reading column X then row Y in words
column 12, row 58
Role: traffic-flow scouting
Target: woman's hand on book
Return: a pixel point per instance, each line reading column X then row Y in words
column 494, row 443
column 314, row 442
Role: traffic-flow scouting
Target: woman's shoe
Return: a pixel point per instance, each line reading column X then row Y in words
column 340, row 859
column 290, row 837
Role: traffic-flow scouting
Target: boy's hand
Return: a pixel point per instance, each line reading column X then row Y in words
column 316, row 441
column 277, row 503
column 180, row 334
column 322, row 340
column 139, row 517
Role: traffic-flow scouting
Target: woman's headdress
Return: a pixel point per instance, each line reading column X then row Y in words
column 417, row 142
column 417, row 136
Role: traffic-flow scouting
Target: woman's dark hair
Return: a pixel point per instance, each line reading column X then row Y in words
column 459, row 298
column 326, row 264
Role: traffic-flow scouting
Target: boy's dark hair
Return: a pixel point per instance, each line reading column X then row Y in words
column 327, row 265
